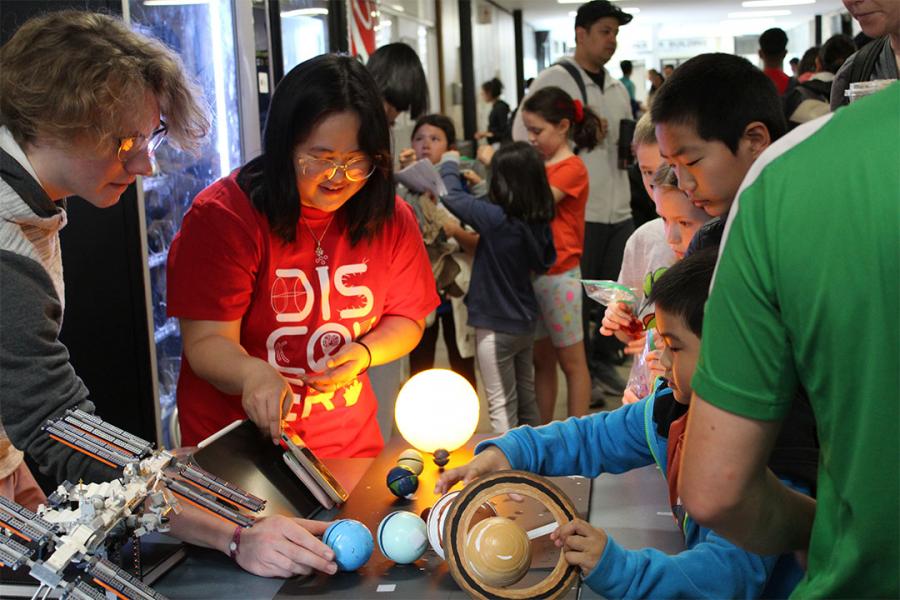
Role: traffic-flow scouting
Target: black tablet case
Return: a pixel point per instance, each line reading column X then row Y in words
column 249, row 460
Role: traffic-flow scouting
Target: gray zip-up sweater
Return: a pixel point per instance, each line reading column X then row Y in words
column 37, row 380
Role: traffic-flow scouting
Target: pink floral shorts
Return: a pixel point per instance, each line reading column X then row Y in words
column 559, row 299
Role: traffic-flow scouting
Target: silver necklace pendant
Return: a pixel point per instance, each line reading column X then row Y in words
column 321, row 257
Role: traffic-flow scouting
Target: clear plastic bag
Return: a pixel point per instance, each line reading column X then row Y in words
column 640, row 379
column 608, row 292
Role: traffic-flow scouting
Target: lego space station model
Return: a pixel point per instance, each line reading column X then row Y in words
column 65, row 544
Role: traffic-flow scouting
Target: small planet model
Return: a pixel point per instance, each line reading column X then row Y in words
column 498, row 551
column 402, row 481
column 352, row 543
column 401, row 537
column 441, row 457
column 412, row 459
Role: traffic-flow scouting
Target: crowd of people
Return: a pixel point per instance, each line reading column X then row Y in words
column 294, row 275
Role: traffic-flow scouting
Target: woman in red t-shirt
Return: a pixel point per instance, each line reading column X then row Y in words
column 551, row 118
column 296, row 273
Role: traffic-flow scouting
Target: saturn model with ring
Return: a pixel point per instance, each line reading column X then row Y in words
column 496, row 552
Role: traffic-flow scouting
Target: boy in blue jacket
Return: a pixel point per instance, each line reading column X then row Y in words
column 647, row 432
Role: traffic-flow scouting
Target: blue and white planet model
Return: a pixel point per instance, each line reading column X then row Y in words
column 402, row 537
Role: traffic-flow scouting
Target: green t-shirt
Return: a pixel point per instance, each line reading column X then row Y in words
column 807, row 292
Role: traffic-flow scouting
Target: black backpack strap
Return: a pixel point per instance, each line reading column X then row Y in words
column 864, row 62
column 573, row 71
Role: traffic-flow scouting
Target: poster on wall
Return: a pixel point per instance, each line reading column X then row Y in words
column 364, row 18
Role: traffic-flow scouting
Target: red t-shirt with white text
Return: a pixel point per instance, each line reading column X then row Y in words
column 226, row 265
column 570, row 176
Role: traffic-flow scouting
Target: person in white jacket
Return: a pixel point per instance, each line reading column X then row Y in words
column 608, row 212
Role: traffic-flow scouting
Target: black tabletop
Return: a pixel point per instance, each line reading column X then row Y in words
column 428, row 577
column 632, row 507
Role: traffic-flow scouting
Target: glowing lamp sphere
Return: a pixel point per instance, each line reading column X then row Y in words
column 436, row 409
column 352, row 543
column 402, row 537
column 498, row 551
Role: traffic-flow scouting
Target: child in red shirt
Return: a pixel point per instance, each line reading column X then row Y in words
column 552, row 118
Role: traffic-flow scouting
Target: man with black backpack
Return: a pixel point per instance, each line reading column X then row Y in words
column 880, row 58
column 608, row 213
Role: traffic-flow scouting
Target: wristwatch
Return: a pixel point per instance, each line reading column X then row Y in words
column 235, row 543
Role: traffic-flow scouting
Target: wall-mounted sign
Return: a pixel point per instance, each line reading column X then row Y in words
column 680, row 44
column 640, row 46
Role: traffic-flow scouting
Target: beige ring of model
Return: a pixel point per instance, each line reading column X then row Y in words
column 459, row 516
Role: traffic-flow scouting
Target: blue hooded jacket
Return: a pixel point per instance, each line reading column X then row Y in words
column 626, row 439
column 509, row 253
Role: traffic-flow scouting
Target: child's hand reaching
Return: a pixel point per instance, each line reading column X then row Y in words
column 619, row 320
column 485, row 154
column 471, row 177
column 492, row 459
column 629, row 397
column 407, row 157
column 616, row 318
column 582, row 544
column 635, row 345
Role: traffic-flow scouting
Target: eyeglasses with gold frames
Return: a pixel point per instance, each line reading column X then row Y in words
column 355, row 169
column 129, row 147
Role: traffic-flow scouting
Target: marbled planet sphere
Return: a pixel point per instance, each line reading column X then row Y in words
column 352, row 543
column 498, row 551
column 401, row 537
column 413, row 459
column 402, row 481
